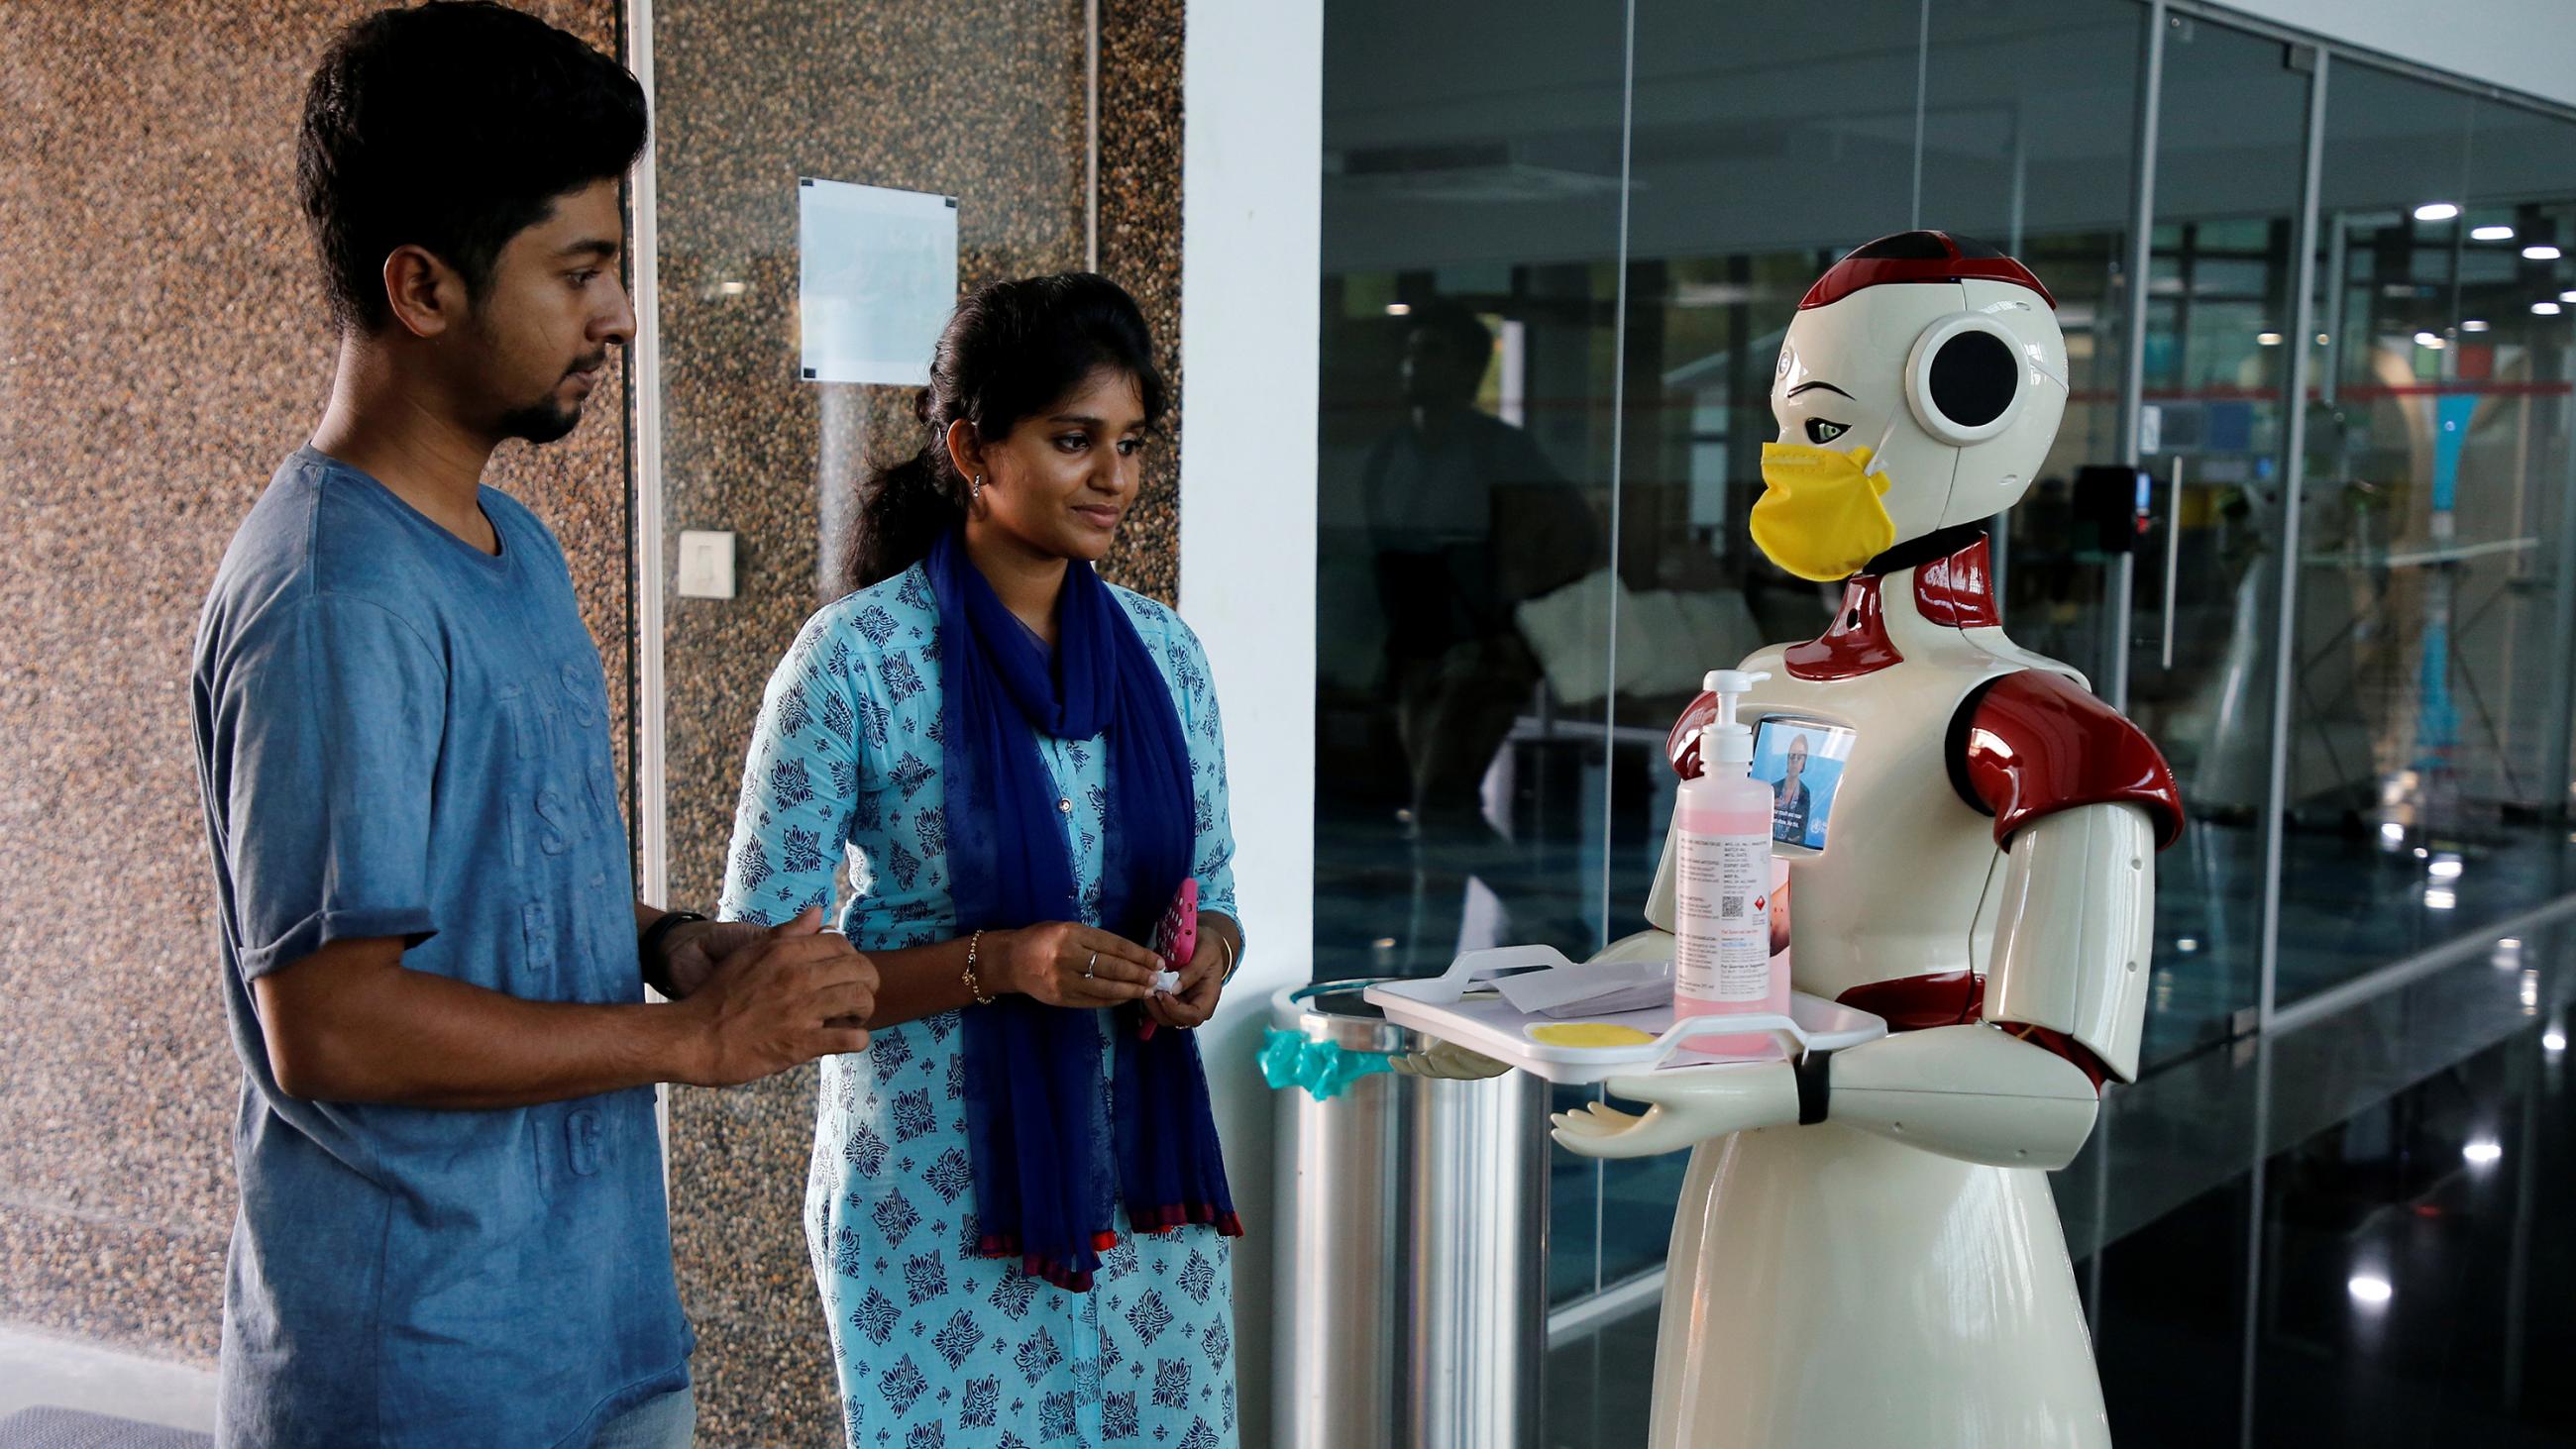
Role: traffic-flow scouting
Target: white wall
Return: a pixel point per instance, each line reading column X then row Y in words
column 2523, row 45
column 1251, row 222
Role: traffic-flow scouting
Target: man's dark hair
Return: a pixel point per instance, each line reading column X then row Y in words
column 1462, row 332
column 453, row 127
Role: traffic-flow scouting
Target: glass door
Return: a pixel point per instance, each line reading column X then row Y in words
column 2201, row 632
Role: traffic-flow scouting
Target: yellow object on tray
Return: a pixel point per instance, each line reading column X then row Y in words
column 1589, row 1034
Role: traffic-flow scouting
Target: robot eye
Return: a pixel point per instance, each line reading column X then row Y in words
column 1821, row 431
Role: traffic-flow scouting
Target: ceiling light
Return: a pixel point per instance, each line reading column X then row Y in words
column 2392, row 832
column 2187, row 945
column 2427, row 339
column 2473, row 325
column 2370, row 1288
column 2553, row 1041
column 1398, row 309
column 2483, row 1152
column 2438, row 899
column 2540, row 252
column 2544, row 309
column 2490, row 233
column 2436, row 211
column 2267, row 339
column 2446, row 868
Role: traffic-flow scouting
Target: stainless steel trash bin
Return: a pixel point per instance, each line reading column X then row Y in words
column 1412, row 1279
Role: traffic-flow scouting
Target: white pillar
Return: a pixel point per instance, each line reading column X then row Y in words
column 1251, row 213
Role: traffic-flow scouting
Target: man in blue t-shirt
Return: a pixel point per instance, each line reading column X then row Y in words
column 452, row 1227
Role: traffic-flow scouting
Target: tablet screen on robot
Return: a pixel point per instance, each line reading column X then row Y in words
column 1802, row 761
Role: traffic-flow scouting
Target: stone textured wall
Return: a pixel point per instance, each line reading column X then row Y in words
column 162, row 348
column 982, row 100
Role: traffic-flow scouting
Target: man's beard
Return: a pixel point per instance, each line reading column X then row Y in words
column 545, row 420
column 540, row 422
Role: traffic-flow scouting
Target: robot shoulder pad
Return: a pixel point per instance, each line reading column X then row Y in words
column 2032, row 743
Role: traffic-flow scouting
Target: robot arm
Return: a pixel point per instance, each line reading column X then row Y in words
column 2065, row 993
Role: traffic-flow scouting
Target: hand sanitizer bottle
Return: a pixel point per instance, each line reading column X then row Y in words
column 1722, row 878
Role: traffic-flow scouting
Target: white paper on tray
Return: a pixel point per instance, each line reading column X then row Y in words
column 1598, row 989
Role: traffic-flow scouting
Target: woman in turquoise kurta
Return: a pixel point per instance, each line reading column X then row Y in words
column 1041, row 395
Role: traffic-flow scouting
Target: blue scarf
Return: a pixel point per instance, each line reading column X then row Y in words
column 1044, row 1160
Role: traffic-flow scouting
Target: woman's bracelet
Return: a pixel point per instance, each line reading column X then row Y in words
column 975, row 989
column 1227, row 979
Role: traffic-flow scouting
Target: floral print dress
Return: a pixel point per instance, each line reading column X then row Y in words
column 936, row 1347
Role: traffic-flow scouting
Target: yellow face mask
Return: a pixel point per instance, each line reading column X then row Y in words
column 1819, row 516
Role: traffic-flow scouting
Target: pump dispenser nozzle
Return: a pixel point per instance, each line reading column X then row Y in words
column 1724, row 741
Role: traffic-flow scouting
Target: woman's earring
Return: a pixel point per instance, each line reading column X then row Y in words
column 975, row 491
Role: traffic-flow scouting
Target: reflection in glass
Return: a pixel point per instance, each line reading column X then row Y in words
column 2438, row 452
column 1471, row 236
column 2203, row 628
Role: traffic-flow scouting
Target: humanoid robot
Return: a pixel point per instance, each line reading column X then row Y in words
column 1867, row 1255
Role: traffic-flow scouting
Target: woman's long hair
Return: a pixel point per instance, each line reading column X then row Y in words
column 1009, row 350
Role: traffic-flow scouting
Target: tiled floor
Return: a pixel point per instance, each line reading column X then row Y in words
column 2354, row 1235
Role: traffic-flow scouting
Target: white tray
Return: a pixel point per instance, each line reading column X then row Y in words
column 1456, row 1007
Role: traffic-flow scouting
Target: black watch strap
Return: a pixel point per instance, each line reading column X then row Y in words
column 1815, row 1072
column 648, row 947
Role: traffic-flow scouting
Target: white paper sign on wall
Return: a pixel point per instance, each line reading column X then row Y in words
column 877, row 275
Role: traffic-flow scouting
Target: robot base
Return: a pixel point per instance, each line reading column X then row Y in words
column 1896, row 1299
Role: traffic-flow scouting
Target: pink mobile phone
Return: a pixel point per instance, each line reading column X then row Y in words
column 1175, row 937
column 1177, row 934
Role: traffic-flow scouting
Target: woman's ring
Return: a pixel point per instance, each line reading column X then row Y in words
column 1089, row 966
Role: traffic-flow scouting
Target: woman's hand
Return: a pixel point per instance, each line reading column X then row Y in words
column 691, row 950
column 1064, row 964
column 1202, row 982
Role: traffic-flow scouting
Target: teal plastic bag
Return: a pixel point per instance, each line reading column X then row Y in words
column 1323, row 1068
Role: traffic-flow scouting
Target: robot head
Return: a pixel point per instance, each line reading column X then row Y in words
column 1940, row 355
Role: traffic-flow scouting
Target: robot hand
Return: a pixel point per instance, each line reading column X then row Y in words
column 1690, row 1105
column 1448, row 1061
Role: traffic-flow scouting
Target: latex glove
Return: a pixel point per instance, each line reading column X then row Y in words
column 1449, row 1061
column 1689, row 1106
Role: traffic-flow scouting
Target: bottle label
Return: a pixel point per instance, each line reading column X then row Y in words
column 1723, row 907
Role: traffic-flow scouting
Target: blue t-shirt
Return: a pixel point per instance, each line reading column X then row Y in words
column 399, row 735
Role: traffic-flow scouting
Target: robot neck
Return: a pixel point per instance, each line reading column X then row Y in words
column 1943, row 580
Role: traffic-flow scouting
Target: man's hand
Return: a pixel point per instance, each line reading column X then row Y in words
column 791, row 994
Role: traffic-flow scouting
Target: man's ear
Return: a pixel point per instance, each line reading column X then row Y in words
column 425, row 295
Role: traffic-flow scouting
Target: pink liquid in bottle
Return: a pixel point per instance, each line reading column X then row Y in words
column 1722, row 963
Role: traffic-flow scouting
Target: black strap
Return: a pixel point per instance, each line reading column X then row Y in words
column 648, row 948
column 1815, row 1072
column 1916, row 552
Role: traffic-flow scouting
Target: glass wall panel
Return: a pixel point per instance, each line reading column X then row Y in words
column 1470, row 283
column 2203, row 624
column 1769, row 140
column 2428, row 672
column 1533, row 498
